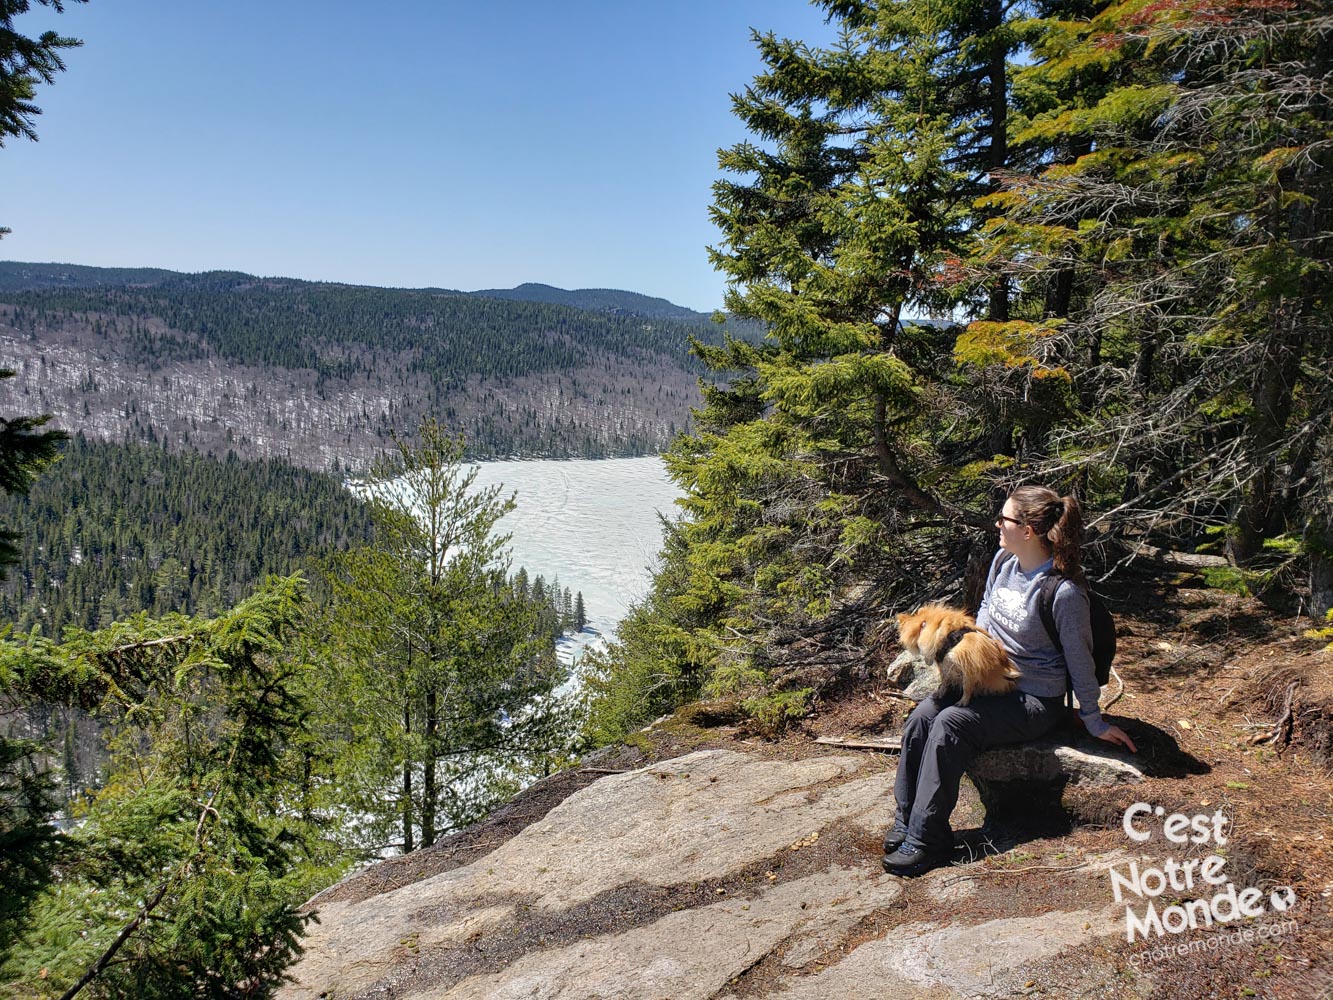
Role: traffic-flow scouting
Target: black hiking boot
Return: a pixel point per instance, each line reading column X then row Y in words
column 894, row 838
column 909, row 862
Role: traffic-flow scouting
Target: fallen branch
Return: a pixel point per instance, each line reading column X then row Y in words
column 896, row 694
column 890, row 743
column 1119, row 694
column 1282, row 729
column 1177, row 560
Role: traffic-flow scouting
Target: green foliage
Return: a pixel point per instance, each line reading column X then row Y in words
column 655, row 662
column 24, row 63
column 1228, row 578
column 438, row 699
column 113, row 529
column 561, row 611
column 773, row 711
column 1263, row 575
column 28, row 841
column 1325, row 632
column 24, row 453
column 185, row 871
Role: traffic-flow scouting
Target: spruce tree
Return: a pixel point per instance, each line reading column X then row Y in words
column 25, row 450
column 24, row 64
column 184, row 875
column 28, row 843
column 440, row 676
column 820, row 485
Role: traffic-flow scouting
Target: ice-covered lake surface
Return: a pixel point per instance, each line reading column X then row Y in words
column 592, row 523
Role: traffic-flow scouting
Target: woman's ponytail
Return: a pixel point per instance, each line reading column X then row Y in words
column 1066, row 538
column 1059, row 522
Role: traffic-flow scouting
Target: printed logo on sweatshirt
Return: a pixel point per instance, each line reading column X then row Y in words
column 1008, row 607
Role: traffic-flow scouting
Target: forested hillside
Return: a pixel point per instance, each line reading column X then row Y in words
column 1127, row 207
column 20, row 276
column 111, row 530
column 23, row 276
column 323, row 373
column 607, row 299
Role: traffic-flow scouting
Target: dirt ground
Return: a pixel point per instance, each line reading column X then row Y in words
column 1231, row 709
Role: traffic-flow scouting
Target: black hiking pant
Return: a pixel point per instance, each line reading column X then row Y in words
column 941, row 737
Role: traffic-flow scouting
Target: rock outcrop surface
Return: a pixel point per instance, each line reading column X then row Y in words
column 717, row 874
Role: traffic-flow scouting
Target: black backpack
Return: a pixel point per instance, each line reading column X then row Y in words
column 1103, row 626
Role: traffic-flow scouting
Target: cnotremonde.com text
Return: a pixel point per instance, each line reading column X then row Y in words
column 1196, row 875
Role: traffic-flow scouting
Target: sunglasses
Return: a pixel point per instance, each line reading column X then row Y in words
column 1011, row 520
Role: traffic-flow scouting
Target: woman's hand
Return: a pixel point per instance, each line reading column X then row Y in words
column 1117, row 735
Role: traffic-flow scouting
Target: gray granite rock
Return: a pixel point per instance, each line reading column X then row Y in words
column 923, row 959
column 689, row 955
column 917, row 678
column 1088, row 761
column 611, row 895
column 701, row 816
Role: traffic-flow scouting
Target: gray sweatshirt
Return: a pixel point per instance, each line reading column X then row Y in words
column 1010, row 611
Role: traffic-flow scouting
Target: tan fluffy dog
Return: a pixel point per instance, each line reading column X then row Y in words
column 976, row 664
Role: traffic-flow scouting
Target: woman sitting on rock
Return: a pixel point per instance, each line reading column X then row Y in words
column 1040, row 533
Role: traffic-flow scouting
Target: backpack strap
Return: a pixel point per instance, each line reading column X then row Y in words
column 1046, row 607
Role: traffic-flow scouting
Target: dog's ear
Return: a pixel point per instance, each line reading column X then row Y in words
column 902, row 618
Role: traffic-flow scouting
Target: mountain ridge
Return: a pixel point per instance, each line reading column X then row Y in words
column 22, row 276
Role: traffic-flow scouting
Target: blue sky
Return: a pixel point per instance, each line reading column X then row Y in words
column 408, row 143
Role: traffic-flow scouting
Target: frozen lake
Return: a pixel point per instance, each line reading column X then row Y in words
column 593, row 523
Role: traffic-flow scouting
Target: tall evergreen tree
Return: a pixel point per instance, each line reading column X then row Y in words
column 24, row 64
column 446, row 673
column 25, row 450
column 821, row 465
column 27, row 842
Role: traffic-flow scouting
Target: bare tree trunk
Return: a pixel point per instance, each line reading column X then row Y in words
column 1319, row 531
column 1261, row 512
column 978, row 566
column 1060, row 293
column 1320, row 546
column 429, row 792
column 998, row 155
column 407, row 781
